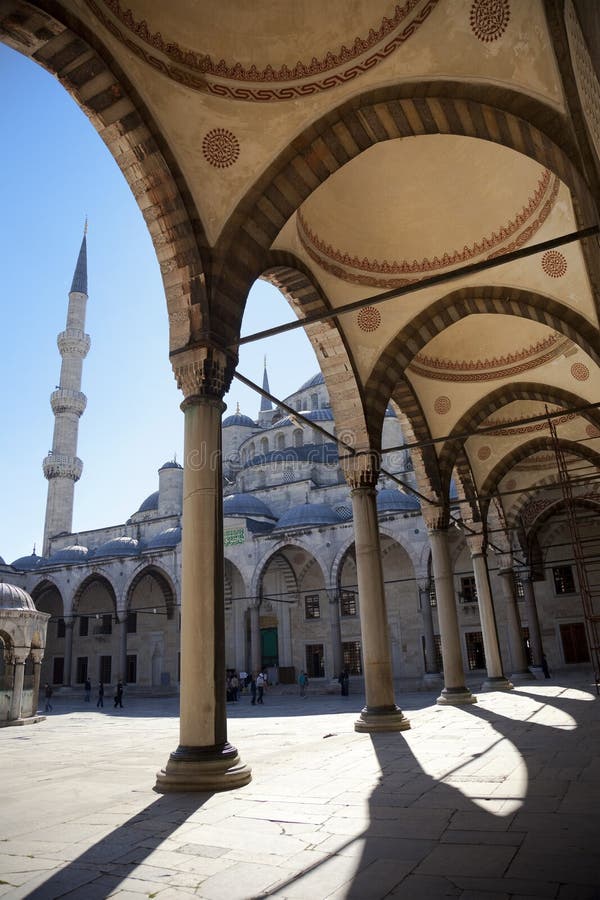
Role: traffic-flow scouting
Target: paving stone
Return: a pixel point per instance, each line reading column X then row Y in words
column 466, row 859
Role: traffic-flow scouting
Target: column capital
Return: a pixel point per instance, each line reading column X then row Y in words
column 361, row 469
column 476, row 544
column 505, row 563
column 20, row 655
column 435, row 516
column 202, row 372
column 37, row 655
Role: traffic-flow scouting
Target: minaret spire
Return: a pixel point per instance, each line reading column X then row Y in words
column 62, row 467
column 265, row 405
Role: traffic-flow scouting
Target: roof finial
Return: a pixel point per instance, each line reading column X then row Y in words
column 33, row 552
column 85, row 227
column 265, row 363
column 175, row 457
column 237, row 408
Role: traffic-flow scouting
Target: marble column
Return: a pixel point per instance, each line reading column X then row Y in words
column 255, row 643
column 533, row 622
column 122, row 633
column 455, row 691
column 496, row 679
column 335, row 630
column 68, row 659
column 432, row 677
column 380, row 713
column 204, row 759
column 16, row 699
column 520, row 671
column 37, row 656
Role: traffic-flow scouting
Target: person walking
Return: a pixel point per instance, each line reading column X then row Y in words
column 88, row 690
column 344, row 681
column 235, row 686
column 48, row 695
column 253, row 689
column 100, row 700
column 119, row 695
column 260, row 687
column 303, row 682
column 545, row 666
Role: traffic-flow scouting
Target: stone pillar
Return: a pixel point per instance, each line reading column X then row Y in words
column 122, row 630
column 68, row 661
column 255, row 645
column 37, row 656
column 204, row 759
column 496, row 680
column 16, row 700
column 533, row 622
column 380, row 712
column 335, row 630
column 432, row 677
column 455, row 690
column 518, row 657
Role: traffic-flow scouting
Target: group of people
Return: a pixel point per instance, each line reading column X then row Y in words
column 236, row 685
column 87, row 687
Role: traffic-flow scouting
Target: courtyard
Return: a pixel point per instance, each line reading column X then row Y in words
column 496, row 800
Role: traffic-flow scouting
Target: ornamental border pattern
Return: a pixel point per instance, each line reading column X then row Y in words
column 508, row 372
column 496, row 362
column 321, row 251
column 203, row 67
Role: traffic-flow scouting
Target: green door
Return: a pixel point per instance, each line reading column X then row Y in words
column 268, row 647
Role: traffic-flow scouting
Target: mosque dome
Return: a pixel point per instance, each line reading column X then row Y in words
column 312, row 382
column 170, row 464
column 149, row 503
column 121, row 546
column 2, row 563
column 168, row 538
column 308, row 515
column 13, row 597
column 239, row 418
column 27, row 563
column 74, row 554
column 392, row 500
column 246, row 505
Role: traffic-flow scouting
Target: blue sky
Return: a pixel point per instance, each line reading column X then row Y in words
column 55, row 171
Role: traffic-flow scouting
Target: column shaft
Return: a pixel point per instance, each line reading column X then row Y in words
column 122, row 628
column 513, row 620
column 68, row 660
column 493, row 660
column 17, row 692
column 533, row 622
column 255, row 645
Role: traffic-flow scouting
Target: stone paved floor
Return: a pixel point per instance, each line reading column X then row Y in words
column 498, row 800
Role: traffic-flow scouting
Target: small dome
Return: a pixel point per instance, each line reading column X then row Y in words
column 171, row 464
column 121, row 546
column 308, row 515
column 246, row 505
column 238, row 419
column 393, row 500
column 13, row 597
column 73, row 554
column 168, row 538
column 27, row 563
column 312, row 382
column 149, row 503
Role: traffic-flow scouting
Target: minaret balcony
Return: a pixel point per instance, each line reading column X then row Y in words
column 73, row 342
column 65, row 401
column 61, row 465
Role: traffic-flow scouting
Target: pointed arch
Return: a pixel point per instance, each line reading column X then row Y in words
column 162, row 578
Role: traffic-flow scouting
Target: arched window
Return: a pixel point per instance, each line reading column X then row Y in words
column 298, row 437
column 280, row 441
column 251, row 451
column 264, row 446
column 314, row 401
column 317, row 436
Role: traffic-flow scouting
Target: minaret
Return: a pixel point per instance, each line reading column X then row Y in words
column 265, row 415
column 62, row 467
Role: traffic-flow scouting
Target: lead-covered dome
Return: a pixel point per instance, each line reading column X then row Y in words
column 76, row 553
column 392, row 500
column 246, row 505
column 149, row 503
column 308, row 515
column 120, row 546
column 170, row 464
column 239, row 419
column 312, row 382
column 27, row 563
column 13, row 597
column 170, row 537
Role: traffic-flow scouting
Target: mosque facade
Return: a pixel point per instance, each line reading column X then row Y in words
column 291, row 588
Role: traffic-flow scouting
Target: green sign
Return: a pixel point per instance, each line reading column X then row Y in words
column 234, row 536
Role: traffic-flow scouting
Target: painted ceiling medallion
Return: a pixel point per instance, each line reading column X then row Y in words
column 484, row 453
column 554, row 264
column 233, row 79
column 489, row 19
column 580, row 372
column 511, row 484
column 508, row 366
column 220, row 148
column 385, row 273
column 442, row 405
column 369, row 319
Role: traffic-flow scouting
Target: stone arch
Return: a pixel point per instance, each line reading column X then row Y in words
column 528, row 449
column 76, row 56
column 46, row 586
column 169, row 593
column 88, row 581
column 491, row 402
column 559, row 505
column 491, row 113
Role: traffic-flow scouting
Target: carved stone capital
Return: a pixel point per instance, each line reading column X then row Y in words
column 505, row 563
column 202, row 372
column 476, row 544
column 361, row 469
column 436, row 516
column 37, row 656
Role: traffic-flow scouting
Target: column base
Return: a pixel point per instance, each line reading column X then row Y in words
column 433, row 681
column 498, row 683
column 378, row 719
column 456, row 696
column 203, row 769
column 522, row 677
